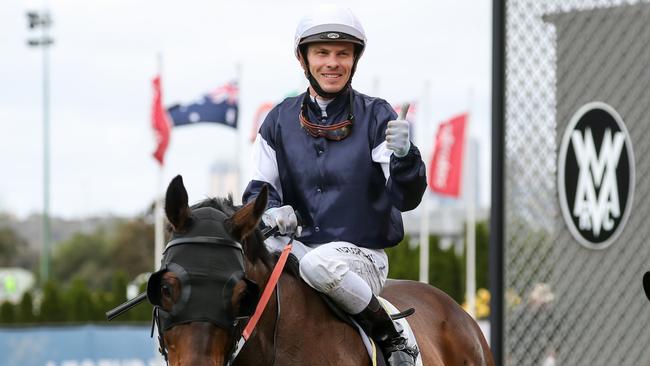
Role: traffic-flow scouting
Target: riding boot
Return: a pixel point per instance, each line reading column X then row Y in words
column 376, row 322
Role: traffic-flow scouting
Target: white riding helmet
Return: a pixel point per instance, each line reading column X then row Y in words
column 329, row 23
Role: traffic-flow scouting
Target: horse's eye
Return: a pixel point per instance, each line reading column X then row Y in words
column 166, row 290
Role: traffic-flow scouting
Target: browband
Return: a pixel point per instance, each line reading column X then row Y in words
column 204, row 240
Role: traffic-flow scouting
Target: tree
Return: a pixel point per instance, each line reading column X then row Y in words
column 444, row 266
column 52, row 305
column 102, row 302
column 118, row 291
column 482, row 255
column 14, row 250
column 143, row 311
column 85, row 256
column 79, row 303
column 445, row 271
column 482, row 241
column 403, row 261
column 26, row 309
column 133, row 247
column 9, row 243
column 7, row 313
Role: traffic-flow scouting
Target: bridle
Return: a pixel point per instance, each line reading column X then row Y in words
column 210, row 307
column 208, row 268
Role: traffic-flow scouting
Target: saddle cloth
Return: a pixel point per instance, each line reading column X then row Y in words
column 371, row 347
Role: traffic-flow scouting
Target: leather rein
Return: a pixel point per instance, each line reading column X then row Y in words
column 271, row 284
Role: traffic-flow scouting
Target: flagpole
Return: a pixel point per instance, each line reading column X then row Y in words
column 425, row 143
column 238, row 189
column 470, row 287
column 158, row 216
column 158, row 205
column 158, row 227
column 159, row 221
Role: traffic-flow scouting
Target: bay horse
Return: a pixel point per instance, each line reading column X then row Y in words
column 202, row 313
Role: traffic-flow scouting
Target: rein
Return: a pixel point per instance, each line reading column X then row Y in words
column 264, row 300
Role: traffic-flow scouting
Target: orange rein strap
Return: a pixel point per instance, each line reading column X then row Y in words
column 268, row 290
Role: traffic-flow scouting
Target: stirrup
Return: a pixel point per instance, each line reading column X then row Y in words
column 396, row 350
column 387, row 333
column 399, row 354
column 401, row 358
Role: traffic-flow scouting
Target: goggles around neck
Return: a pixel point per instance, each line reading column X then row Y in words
column 335, row 132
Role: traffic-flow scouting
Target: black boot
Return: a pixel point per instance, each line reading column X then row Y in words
column 376, row 322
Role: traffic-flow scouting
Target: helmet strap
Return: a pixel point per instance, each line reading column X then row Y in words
column 322, row 93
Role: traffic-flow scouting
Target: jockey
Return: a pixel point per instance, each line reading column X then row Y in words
column 344, row 163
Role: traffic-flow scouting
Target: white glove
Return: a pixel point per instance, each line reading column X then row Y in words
column 284, row 218
column 397, row 137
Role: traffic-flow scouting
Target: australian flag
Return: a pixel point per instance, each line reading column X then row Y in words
column 218, row 106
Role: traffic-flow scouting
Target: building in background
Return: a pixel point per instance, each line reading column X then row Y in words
column 224, row 180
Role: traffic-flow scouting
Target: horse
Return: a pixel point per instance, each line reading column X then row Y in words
column 296, row 327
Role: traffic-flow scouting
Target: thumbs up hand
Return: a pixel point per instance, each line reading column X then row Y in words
column 397, row 134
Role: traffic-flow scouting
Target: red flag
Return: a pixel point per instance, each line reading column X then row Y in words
column 261, row 113
column 446, row 167
column 159, row 122
column 410, row 115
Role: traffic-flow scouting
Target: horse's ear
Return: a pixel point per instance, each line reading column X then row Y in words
column 245, row 220
column 176, row 205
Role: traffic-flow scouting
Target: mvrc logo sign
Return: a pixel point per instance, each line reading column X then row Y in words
column 596, row 175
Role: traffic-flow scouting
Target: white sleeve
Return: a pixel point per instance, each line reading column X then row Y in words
column 265, row 165
column 381, row 154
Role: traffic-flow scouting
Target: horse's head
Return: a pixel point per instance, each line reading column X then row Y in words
column 201, row 288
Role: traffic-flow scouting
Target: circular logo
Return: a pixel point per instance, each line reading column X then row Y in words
column 333, row 35
column 596, row 175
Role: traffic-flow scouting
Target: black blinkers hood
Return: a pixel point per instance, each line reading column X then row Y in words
column 208, row 264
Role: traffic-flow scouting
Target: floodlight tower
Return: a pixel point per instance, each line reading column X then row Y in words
column 41, row 20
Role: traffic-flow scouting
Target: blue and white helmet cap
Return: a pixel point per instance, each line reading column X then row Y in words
column 330, row 23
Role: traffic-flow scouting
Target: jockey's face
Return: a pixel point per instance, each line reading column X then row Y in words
column 331, row 64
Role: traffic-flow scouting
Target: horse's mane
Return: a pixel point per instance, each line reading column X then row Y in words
column 254, row 247
column 253, row 244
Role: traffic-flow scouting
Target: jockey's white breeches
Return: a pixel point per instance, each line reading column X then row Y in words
column 348, row 274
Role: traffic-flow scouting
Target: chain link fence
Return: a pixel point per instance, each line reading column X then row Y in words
column 566, row 302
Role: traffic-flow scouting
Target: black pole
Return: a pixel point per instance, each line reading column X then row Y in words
column 496, row 250
column 123, row 308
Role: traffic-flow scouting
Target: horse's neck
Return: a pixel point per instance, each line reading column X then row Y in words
column 259, row 347
column 307, row 329
column 258, row 272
